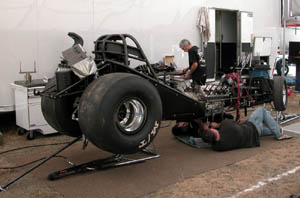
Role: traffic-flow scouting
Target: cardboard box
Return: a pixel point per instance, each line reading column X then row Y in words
column 168, row 60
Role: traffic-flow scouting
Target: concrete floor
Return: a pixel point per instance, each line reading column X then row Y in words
column 271, row 170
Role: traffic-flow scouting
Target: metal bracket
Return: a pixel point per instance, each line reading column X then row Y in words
column 289, row 117
column 285, row 118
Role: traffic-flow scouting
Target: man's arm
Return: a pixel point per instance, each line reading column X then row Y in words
column 217, row 134
column 185, row 69
column 193, row 68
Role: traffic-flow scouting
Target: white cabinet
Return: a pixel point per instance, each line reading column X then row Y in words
column 28, row 109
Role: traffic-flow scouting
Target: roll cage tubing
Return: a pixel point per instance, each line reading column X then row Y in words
column 110, row 46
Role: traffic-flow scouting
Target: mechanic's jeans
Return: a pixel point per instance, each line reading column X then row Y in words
column 261, row 117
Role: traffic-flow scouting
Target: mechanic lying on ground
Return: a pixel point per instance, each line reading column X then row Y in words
column 229, row 135
column 197, row 70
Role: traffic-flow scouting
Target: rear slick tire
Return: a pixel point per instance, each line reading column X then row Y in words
column 280, row 94
column 120, row 113
column 58, row 111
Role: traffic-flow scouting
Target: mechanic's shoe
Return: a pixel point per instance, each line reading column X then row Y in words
column 284, row 137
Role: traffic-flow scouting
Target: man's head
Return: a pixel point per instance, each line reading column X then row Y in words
column 185, row 45
column 208, row 135
column 186, row 128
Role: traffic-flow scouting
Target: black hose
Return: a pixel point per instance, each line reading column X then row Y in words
column 33, row 146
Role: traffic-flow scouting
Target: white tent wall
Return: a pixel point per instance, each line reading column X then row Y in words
column 36, row 30
column 292, row 34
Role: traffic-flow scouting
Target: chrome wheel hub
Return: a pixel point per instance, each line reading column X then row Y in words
column 131, row 115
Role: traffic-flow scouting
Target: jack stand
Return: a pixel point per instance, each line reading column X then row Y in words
column 285, row 118
column 289, row 117
column 114, row 161
column 4, row 188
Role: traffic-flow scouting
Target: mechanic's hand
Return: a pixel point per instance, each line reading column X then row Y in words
column 187, row 76
column 205, row 126
column 185, row 70
column 216, row 132
column 214, row 125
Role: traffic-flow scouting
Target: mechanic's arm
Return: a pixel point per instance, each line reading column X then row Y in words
column 202, row 124
column 217, row 134
column 185, row 69
column 193, row 68
column 215, row 125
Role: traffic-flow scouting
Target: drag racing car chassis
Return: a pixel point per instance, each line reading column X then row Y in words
column 119, row 108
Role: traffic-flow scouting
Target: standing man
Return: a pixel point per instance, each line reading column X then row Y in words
column 197, row 66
